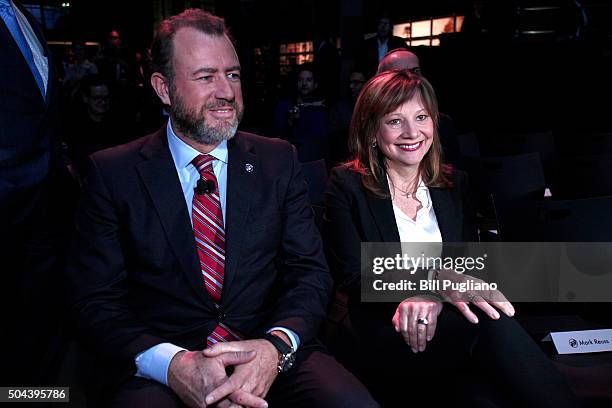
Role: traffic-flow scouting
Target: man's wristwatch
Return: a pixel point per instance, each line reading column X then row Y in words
column 287, row 353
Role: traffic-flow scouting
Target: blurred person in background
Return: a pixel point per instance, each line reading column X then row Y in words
column 340, row 118
column 94, row 125
column 302, row 120
column 374, row 49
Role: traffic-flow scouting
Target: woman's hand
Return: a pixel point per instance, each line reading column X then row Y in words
column 483, row 299
column 406, row 319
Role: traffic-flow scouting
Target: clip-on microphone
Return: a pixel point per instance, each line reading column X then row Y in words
column 204, row 187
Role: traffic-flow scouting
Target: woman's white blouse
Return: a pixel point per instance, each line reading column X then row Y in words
column 423, row 229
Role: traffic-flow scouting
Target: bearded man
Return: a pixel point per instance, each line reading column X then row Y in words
column 197, row 272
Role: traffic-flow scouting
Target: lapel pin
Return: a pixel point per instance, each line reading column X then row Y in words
column 248, row 167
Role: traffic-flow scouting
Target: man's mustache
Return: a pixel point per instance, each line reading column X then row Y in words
column 221, row 104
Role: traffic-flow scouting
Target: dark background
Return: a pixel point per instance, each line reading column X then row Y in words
column 491, row 79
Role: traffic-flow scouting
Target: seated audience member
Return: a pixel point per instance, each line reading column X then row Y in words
column 374, row 49
column 327, row 61
column 112, row 60
column 197, row 273
column 404, row 59
column 397, row 190
column 303, row 120
column 340, row 118
column 76, row 67
column 400, row 58
column 148, row 109
column 93, row 125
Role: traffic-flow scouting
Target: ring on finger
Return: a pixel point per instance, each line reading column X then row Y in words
column 423, row 321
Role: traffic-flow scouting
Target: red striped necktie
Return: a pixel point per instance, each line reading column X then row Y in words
column 210, row 242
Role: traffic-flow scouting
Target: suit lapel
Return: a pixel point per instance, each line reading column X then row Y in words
column 36, row 28
column 158, row 173
column 382, row 211
column 51, row 84
column 445, row 213
column 240, row 188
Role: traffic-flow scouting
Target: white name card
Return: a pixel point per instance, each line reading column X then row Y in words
column 581, row 341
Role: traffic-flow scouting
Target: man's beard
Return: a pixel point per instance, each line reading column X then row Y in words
column 192, row 123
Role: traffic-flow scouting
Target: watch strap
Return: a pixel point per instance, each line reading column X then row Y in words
column 277, row 342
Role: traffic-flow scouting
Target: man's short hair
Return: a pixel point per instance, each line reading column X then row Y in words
column 162, row 47
column 307, row 66
column 383, row 15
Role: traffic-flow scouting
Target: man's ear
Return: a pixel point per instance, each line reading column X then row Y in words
column 160, row 84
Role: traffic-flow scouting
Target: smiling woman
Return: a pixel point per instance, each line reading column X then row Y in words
column 405, row 136
column 404, row 133
column 396, row 189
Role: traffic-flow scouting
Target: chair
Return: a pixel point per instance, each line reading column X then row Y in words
column 582, row 223
column 521, row 143
column 584, row 220
column 587, row 144
column 582, row 177
column 510, row 144
column 468, row 145
column 509, row 177
column 315, row 175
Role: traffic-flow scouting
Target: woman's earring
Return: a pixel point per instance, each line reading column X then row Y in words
column 374, row 144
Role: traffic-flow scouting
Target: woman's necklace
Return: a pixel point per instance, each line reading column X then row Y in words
column 408, row 194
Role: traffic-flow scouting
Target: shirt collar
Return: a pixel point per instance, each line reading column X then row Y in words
column 422, row 194
column 183, row 154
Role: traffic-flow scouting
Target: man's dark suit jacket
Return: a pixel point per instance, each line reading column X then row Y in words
column 353, row 215
column 135, row 273
column 368, row 59
column 30, row 293
column 29, row 126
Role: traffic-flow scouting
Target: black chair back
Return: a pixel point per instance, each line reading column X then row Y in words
column 583, row 220
column 315, row 175
column 468, row 145
column 582, row 177
column 587, row 144
column 509, row 177
column 521, row 143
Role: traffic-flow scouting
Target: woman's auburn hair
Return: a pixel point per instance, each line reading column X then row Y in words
column 380, row 96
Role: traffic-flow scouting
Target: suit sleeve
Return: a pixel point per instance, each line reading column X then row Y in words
column 305, row 281
column 97, row 276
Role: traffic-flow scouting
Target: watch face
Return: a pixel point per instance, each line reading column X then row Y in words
column 287, row 362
